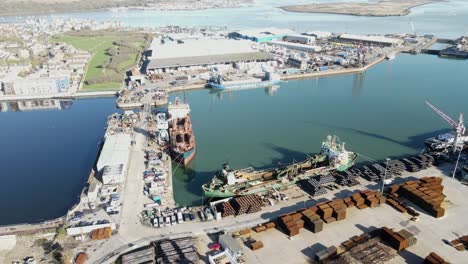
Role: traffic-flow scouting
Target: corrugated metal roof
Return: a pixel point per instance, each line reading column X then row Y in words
column 207, row 60
column 115, row 151
column 226, row 240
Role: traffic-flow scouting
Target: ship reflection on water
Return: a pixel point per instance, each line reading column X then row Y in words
column 35, row 105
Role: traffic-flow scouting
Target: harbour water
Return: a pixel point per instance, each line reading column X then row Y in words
column 445, row 19
column 380, row 113
column 46, row 158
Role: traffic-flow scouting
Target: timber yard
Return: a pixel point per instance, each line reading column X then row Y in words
column 325, row 208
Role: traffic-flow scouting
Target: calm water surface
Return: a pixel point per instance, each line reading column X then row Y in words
column 379, row 114
column 46, row 158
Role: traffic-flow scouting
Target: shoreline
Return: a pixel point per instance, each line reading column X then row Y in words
column 386, row 8
column 118, row 9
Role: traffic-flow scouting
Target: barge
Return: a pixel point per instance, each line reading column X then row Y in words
column 181, row 133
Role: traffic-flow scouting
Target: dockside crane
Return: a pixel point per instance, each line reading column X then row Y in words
column 459, row 127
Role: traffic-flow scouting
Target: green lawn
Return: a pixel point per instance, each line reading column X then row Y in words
column 101, row 74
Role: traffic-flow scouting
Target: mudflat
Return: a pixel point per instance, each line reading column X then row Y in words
column 380, row 8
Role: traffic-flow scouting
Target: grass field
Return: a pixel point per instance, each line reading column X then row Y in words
column 113, row 53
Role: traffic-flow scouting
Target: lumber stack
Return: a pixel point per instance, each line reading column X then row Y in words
column 101, row 233
column 433, row 258
column 425, row 193
column 291, row 223
column 312, row 220
column 460, row 243
column 246, row 204
column 256, row 245
column 396, row 241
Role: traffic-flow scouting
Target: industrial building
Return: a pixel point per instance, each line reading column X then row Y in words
column 231, row 246
column 261, row 35
column 295, row 46
column 318, row 34
column 297, row 38
column 113, row 161
column 369, row 39
column 193, row 54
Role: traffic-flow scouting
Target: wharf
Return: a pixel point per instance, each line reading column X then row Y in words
column 431, row 231
column 58, row 96
column 332, row 72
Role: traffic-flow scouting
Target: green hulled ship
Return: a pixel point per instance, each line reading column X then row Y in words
column 228, row 183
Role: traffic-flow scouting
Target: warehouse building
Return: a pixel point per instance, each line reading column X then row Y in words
column 369, row 39
column 203, row 53
column 261, row 35
column 232, row 247
column 113, row 161
column 296, row 46
column 297, row 38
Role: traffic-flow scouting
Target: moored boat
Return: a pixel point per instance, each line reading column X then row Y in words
column 228, row 183
column 181, row 133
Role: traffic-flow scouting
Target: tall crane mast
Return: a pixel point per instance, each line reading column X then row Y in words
column 459, row 127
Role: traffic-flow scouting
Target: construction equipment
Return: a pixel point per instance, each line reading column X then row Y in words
column 458, row 142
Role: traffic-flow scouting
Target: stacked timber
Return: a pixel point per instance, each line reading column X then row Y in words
column 246, row 204
column 326, row 253
column 425, row 193
column 358, row 200
column 225, row 209
column 312, row 220
column 434, row 258
column 101, row 233
column 256, row 245
column 291, row 223
column 460, row 243
column 394, row 239
column 408, row 236
column 259, row 229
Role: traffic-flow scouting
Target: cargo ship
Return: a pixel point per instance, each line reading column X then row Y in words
column 220, row 83
column 181, row 133
column 228, row 183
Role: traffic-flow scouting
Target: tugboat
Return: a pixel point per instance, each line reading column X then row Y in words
column 181, row 133
column 228, row 183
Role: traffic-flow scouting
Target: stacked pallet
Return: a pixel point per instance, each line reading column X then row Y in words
column 101, row 233
column 394, row 239
column 433, row 258
column 426, row 193
column 291, row 223
column 312, row 220
column 246, row 204
column 225, row 209
column 460, row 243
